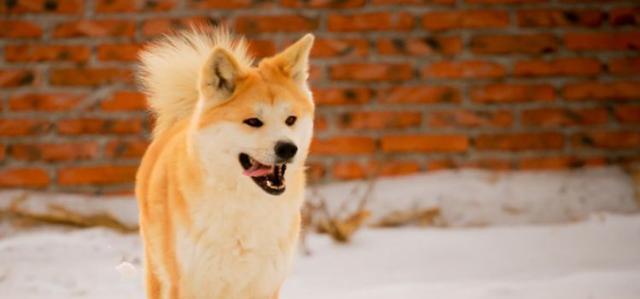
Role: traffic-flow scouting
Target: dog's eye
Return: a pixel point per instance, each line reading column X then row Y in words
column 290, row 120
column 254, row 122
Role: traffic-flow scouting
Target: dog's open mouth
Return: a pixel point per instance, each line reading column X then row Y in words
column 269, row 177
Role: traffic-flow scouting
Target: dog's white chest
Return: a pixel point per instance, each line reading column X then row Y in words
column 240, row 249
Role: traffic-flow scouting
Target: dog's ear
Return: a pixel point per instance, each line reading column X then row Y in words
column 294, row 60
column 218, row 76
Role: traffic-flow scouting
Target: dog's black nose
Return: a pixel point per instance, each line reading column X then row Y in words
column 285, row 150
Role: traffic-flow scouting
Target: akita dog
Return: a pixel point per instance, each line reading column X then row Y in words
column 221, row 185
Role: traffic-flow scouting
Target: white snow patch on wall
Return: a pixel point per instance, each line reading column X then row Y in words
column 477, row 198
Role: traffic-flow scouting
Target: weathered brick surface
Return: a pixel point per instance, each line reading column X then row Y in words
column 401, row 86
column 44, row 101
column 39, row 53
column 54, row 151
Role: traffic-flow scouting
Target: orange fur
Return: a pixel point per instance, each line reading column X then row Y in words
column 208, row 231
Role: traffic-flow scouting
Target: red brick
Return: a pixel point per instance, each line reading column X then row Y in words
column 546, row 163
column 89, row 76
column 463, row 69
column 118, row 6
column 520, row 141
column 608, row 140
column 323, row 47
column 315, row 172
column 349, row 170
column 95, row 28
column 96, row 175
column 615, row 91
column 629, row 114
column 348, row 145
column 316, row 73
column 19, row 29
column 507, row 44
column 574, row 66
column 379, row 120
column 45, row 101
column 78, row 126
column 125, row 101
column 118, row 52
column 278, row 23
column 443, row 164
column 126, row 148
column 586, row 41
column 323, row 3
column 374, row 21
column 159, row 26
column 111, row 6
column 445, row 20
column 504, row 1
column 588, row 161
column 22, row 127
column 41, row 6
column 625, row 16
column 319, row 123
column 421, row 94
column 16, row 77
column 590, row 1
column 371, row 72
column 470, row 118
column 445, row 45
column 488, row 163
column 556, row 117
column 510, row 93
column 395, row 168
column 38, row 53
column 221, row 4
column 54, row 151
column 560, row 18
column 23, row 178
column 265, row 48
column 624, row 66
column 342, row 96
column 424, row 143
column 413, row 2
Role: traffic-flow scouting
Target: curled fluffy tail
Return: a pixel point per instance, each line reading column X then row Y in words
column 170, row 68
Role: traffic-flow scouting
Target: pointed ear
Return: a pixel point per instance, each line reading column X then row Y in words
column 219, row 75
column 294, row 60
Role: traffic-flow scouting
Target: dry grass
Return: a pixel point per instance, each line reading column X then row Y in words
column 341, row 223
column 22, row 215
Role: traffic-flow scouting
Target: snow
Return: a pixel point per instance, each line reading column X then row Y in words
column 461, row 198
column 478, row 198
column 598, row 258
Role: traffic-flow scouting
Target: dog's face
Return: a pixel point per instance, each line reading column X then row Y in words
column 261, row 132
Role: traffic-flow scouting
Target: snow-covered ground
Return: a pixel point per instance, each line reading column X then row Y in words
column 599, row 258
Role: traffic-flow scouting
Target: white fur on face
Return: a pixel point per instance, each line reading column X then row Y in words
column 224, row 141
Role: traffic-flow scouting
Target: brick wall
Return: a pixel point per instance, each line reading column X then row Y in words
column 401, row 85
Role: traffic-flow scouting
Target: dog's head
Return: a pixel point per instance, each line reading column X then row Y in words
column 255, row 122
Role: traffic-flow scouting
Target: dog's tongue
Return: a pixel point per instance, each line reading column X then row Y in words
column 258, row 170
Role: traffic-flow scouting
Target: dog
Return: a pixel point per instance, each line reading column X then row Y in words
column 221, row 185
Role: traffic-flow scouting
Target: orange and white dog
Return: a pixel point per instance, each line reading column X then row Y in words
column 221, row 185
